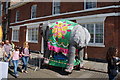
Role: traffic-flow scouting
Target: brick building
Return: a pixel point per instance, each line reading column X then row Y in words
column 5, row 18
column 100, row 18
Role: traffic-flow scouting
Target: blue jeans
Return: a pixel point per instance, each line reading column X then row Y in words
column 15, row 63
column 25, row 60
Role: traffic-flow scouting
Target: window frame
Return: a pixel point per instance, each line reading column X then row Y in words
column 27, row 36
column 89, row 8
column 1, row 8
column 94, row 38
column 17, row 40
column 53, row 7
column 6, row 7
column 32, row 7
column 17, row 15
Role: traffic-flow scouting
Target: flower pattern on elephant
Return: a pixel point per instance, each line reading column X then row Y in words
column 60, row 29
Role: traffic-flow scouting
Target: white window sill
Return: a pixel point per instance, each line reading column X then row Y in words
column 96, row 45
column 57, row 14
column 15, row 40
column 94, row 8
column 33, row 18
column 32, row 41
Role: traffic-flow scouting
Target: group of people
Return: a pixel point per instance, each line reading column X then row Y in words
column 12, row 54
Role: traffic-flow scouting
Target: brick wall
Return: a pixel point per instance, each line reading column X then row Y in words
column 111, row 38
column 45, row 9
column 22, row 39
column 111, row 26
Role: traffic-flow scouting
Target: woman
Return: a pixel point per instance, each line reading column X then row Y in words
column 15, row 60
column 2, row 52
column 25, row 56
column 113, row 62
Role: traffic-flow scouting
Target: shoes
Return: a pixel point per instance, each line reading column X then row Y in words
column 16, row 75
column 26, row 72
column 22, row 70
column 69, row 69
column 46, row 61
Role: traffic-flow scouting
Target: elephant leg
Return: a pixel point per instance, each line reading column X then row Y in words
column 80, row 56
column 71, row 57
column 46, row 50
column 47, row 53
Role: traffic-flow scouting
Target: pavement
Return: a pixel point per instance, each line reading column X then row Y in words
column 96, row 66
column 93, row 70
column 55, row 72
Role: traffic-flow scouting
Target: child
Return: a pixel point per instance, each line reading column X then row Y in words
column 113, row 62
column 25, row 56
column 15, row 60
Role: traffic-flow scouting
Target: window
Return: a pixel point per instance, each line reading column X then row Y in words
column 33, row 11
column 90, row 28
column 56, row 6
column 90, row 4
column 15, row 35
column 17, row 16
column 6, row 7
column 96, row 32
column 32, row 34
column 0, row 8
column 99, row 33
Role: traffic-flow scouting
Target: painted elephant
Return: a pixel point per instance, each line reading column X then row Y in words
column 65, row 36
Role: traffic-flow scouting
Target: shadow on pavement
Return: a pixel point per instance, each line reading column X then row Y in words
column 55, row 69
column 94, row 70
column 11, row 72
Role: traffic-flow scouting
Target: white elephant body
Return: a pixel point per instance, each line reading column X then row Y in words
column 77, row 35
column 64, row 32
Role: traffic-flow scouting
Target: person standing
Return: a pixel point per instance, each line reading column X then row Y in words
column 25, row 56
column 8, row 50
column 113, row 62
column 2, row 52
column 15, row 59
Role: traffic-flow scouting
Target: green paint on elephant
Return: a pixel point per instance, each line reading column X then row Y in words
column 59, row 38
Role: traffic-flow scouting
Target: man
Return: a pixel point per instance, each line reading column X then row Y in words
column 8, row 50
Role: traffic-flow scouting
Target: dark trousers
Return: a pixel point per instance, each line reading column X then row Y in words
column 112, row 77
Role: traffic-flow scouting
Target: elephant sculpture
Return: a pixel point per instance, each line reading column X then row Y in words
column 65, row 36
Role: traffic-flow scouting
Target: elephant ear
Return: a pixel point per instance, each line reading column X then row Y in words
column 87, row 36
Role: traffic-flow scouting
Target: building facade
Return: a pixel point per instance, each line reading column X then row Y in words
column 100, row 18
column 5, row 18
